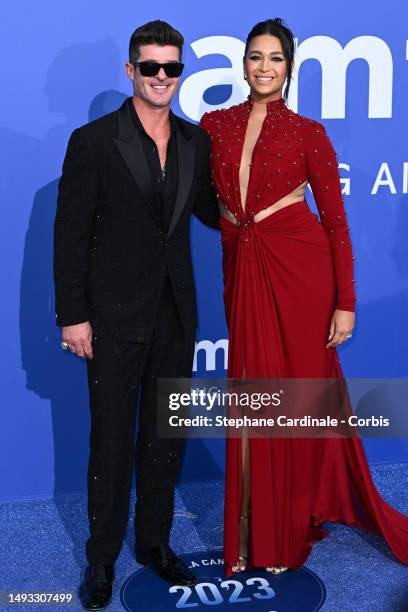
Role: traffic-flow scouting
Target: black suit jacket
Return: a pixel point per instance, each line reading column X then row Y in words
column 110, row 252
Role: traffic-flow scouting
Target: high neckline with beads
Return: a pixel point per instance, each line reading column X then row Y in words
column 272, row 106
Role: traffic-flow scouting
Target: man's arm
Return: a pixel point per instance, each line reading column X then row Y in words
column 206, row 207
column 74, row 224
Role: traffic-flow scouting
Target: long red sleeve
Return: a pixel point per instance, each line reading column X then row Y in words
column 323, row 176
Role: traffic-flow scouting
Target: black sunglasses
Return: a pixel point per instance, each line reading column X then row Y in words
column 151, row 69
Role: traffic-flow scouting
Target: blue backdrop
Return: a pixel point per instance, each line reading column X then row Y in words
column 62, row 65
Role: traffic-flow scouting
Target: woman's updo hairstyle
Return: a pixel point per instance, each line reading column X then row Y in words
column 275, row 27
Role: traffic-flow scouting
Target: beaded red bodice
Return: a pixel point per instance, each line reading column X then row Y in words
column 290, row 150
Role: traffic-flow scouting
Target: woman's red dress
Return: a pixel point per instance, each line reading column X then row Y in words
column 284, row 277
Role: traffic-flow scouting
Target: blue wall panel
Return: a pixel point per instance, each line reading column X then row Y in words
column 62, row 65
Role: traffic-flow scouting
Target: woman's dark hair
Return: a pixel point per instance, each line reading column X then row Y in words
column 154, row 33
column 275, row 27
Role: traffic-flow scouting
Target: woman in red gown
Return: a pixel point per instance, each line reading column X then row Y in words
column 289, row 301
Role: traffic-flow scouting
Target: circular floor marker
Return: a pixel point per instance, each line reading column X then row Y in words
column 250, row 591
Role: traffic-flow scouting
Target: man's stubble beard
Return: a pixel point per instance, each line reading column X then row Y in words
column 151, row 102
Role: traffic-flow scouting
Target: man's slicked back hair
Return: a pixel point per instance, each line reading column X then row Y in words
column 154, row 33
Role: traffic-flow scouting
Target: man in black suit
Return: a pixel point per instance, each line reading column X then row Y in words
column 125, row 298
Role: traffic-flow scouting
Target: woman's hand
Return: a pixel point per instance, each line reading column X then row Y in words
column 341, row 327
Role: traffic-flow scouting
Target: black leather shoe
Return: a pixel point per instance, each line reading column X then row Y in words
column 166, row 564
column 96, row 590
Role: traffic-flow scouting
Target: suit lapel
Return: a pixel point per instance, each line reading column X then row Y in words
column 186, row 151
column 131, row 149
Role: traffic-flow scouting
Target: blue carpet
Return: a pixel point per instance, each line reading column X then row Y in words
column 42, row 547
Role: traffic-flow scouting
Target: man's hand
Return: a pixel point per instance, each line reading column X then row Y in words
column 341, row 326
column 79, row 339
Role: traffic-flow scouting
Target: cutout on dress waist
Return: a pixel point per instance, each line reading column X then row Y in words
column 227, row 214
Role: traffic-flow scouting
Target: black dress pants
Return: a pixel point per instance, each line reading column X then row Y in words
column 117, row 373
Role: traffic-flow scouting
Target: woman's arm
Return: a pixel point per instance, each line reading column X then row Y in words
column 324, row 179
